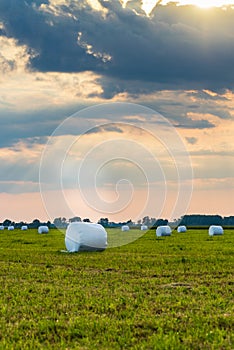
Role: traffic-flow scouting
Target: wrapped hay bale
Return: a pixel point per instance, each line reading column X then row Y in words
column 11, row 228
column 24, row 227
column 144, row 227
column 2, row 227
column 181, row 229
column 43, row 229
column 125, row 228
column 215, row 230
column 85, row 236
column 163, row 231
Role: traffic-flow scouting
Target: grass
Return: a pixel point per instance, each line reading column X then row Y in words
column 155, row 293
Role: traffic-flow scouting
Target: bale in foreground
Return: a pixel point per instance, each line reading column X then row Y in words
column 43, row 229
column 163, row 231
column 85, row 236
column 215, row 230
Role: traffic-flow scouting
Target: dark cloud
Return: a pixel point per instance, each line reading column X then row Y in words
column 18, row 186
column 198, row 124
column 192, row 140
column 33, row 125
column 207, row 152
column 52, row 38
column 179, row 47
column 203, row 95
column 108, row 127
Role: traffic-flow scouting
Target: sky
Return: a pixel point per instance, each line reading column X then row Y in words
column 149, row 86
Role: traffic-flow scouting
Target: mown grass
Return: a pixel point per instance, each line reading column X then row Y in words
column 155, row 293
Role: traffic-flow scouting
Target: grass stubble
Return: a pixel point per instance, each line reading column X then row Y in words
column 155, row 293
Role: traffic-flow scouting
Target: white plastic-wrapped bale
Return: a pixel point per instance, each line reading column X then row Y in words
column 85, row 236
column 144, row 227
column 24, row 227
column 125, row 228
column 181, row 229
column 2, row 227
column 43, row 229
column 11, row 228
column 163, row 231
column 215, row 230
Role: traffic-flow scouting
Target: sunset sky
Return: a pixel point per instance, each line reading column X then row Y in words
column 58, row 57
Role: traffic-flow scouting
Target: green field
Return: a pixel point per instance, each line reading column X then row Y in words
column 155, row 293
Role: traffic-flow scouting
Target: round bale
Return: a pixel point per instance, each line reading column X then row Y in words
column 11, row 228
column 24, row 227
column 125, row 228
column 85, row 236
column 215, row 230
column 163, row 231
column 144, row 227
column 181, row 229
column 43, row 229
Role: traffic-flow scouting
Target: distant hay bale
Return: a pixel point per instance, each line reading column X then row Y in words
column 125, row 228
column 43, row 229
column 215, row 230
column 2, row 227
column 11, row 228
column 163, row 231
column 144, row 227
column 181, row 229
column 85, row 236
column 24, row 227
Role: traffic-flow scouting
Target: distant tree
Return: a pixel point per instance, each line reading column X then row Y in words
column 6, row 222
column 146, row 221
column 104, row 222
column 161, row 222
column 58, row 222
column 86, row 220
column 228, row 221
column 201, row 220
column 19, row 224
column 76, row 218
column 129, row 223
column 35, row 224
column 152, row 221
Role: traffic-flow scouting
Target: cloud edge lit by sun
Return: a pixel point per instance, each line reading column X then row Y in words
column 149, row 5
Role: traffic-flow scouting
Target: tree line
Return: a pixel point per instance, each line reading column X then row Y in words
column 193, row 220
column 206, row 220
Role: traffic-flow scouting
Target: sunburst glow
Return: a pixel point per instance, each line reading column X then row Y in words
column 148, row 5
column 205, row 3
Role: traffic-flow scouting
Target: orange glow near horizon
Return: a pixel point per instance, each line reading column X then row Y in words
column 213, row 202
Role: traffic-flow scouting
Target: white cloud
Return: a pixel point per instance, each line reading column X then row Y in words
column 24, row 89
column 14, row 56
column 96, row 5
